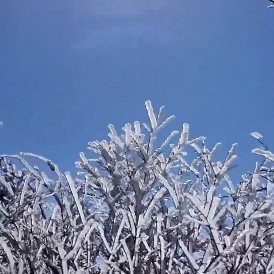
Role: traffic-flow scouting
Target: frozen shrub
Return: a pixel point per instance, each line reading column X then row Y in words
column 137, row 208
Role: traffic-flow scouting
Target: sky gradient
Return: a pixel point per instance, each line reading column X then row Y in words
column 69, row 68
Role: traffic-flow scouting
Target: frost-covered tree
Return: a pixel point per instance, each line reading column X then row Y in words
column 137, row 208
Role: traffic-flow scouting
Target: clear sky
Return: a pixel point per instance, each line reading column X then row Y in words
column 70, row 67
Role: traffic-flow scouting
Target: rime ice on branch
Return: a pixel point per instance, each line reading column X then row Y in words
column 137, row 209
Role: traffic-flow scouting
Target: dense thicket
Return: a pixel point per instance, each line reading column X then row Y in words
column 137, row 208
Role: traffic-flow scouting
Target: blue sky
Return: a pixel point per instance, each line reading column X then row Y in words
column 69, row 68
